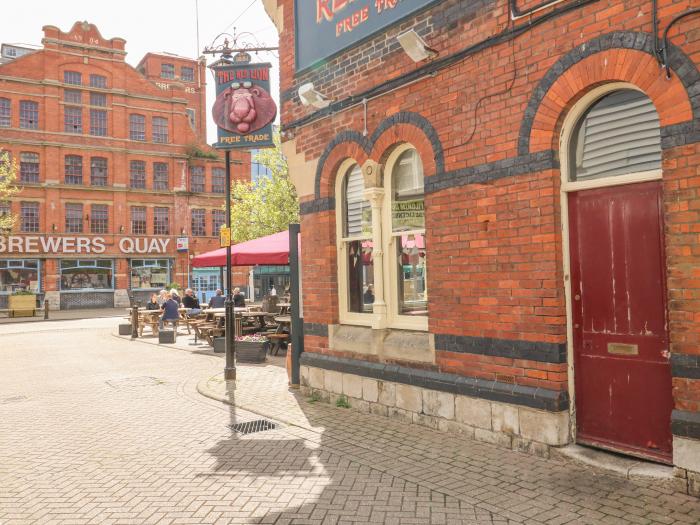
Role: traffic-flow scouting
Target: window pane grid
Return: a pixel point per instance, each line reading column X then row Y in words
column 98, row 122
column 218, row 219
column 137, row 174
column 138, row 220
column 137, row 127
column 197, row 179
column 4, row 208
column 98, row 99
column 74, row 169
column 5, row 113
column 160, row 130
column 29, row 217
column 167, row 71
column 99, row 218
column 28, row 114
column 199, row 222
column 218, row 180
column 98, row 171
column 160, row 176
column 29, row 167
column 73, row 119
column 74, row 218
column 98, row 81
column 72, row 96
column 187, row 74
column 72, row 77
column 161, row 221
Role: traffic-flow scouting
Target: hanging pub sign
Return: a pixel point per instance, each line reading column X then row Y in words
column 326, row 27
column 244, row 110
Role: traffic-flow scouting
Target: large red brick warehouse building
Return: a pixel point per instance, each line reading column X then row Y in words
column 115, row 172
column 500, row 216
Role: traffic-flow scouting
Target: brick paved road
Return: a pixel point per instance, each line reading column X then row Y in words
column 95, row 429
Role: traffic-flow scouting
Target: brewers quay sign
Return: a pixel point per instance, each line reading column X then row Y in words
column 77, row 245
column 326, row 27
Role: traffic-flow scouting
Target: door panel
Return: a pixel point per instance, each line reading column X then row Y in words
column 622, row 370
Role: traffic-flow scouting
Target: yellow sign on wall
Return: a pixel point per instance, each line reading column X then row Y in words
column 225, row 237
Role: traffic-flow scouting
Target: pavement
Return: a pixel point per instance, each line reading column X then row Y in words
column 64, row 315
column 95, row 428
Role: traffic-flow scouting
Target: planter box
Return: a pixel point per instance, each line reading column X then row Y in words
column 124, row 329
column 22, row 305
column 219, row 345
column 247, row 352
column 167, row 336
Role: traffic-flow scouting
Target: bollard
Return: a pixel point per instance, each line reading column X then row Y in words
column 46, row 309
column 134, row 322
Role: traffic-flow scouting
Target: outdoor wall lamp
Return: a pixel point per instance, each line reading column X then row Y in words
column 415, row 47
column 310, row 97
column 53, row 228
column 182, row 231
column 121, row 229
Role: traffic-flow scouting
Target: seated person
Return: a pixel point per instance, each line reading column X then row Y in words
column 238, row 298
column 153, row 303
column 368, row 297
column 175, row 296
column 218, row 301
column 191, row 302
column 170, row 311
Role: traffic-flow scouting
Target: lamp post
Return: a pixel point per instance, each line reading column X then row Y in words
column 230, row 366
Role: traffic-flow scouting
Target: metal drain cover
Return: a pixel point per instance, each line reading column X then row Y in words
column 251, row 427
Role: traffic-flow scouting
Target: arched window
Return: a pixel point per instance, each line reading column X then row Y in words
column 618, row 135
column 407, row 241
column 357, row 290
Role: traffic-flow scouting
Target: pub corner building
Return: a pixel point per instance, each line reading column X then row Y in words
column 500, row 216
column 118, row 186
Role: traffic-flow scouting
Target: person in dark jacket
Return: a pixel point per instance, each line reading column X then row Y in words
column 170, row 311
column 153, row 303
column 238, row 298
column 191, row 302
column 218, row 301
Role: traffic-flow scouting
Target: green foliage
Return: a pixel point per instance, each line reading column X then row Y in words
column 266, row 207
column 196, row 152
column 23, row 292
column 8, row 177
column 315, row 397
column 173, row 285
column 342, row 402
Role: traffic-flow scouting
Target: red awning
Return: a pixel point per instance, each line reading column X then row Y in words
column 270, row 250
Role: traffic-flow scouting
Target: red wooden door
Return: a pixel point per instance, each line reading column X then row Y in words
column 618, row 287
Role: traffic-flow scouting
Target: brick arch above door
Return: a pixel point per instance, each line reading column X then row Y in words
column 614, row 57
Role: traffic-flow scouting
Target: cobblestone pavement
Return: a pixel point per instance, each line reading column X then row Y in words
column 98, row 429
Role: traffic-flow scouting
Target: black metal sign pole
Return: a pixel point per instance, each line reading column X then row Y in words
column 230, row 369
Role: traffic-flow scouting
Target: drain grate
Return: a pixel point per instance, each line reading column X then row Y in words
column 251, row 427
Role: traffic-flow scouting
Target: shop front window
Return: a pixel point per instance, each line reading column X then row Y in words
column 149, row 274
column 19, row 275
column 408, row 234
column 87, row 274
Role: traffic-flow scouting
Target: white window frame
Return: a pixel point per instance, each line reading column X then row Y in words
column 394, row 318
column 345, row 315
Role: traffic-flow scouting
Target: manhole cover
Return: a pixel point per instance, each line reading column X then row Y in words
column 133, row 382
column 251, row 427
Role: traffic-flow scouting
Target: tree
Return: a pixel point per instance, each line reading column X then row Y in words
column 8, row 176
column 267, row 206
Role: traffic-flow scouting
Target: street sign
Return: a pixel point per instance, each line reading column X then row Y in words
column 225, row 237
column 244, row 110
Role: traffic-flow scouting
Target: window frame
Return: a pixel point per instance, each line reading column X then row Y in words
column 76, row 75
column 99, row 225
column 133, row 220
column 342, row 243
column 389, row 239
column 190, row 78
column 167, row 75
column 70, row 169
column 140, row 174
column 218, row 217
column 98, row 81
column 5, row 112
column 23, row 217
column 160, row 130
column 73, row 120
column 136, row 122
column 97, row 129
column 203, row 183
column 72, row 223
column 198, row 222
column 158, row 228
column 218, row 180
column 157, row 173
column 95, row 177
column 25, row 164
column 31, row 107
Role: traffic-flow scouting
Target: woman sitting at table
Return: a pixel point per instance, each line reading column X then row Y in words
column 153, row 303
column 238, row 298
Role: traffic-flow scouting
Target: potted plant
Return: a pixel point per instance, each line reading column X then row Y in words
column 22, row 303
column 251, row 348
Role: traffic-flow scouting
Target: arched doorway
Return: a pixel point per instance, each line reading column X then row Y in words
column 615, row 265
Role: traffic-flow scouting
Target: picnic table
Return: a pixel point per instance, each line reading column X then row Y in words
column 280, row 335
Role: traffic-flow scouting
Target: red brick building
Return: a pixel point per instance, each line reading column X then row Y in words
column 114, row 168
column 500, row 234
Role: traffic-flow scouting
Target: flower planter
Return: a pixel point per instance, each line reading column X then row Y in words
column 251, row 352
column 22, row 305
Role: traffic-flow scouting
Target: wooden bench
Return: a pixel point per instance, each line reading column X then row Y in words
column 277, row 339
